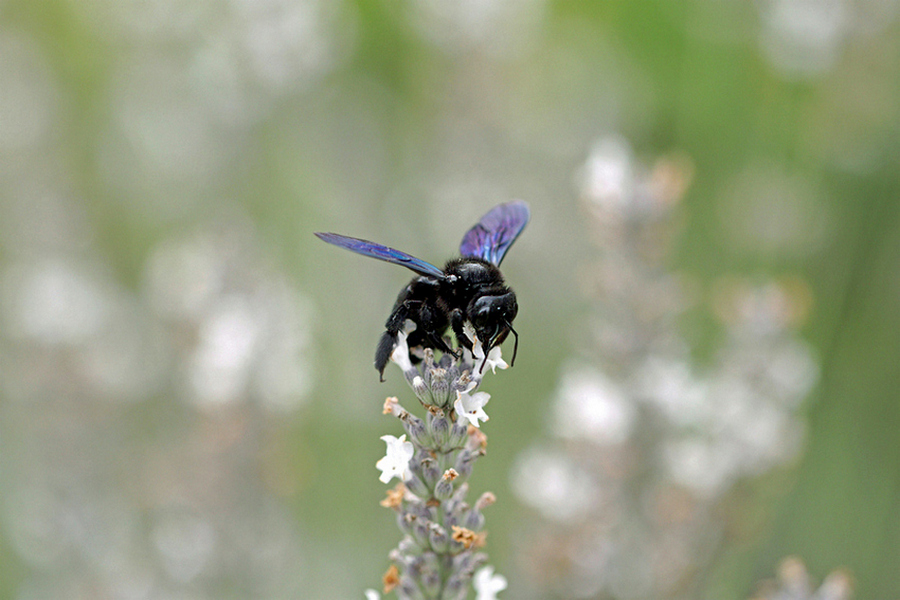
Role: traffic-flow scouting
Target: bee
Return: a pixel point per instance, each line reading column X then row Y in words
column 469, row 289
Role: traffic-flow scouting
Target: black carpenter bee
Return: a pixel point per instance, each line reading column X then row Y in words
column 468, row 289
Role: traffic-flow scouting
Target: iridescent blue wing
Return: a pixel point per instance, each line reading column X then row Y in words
column 380, row 252
column 495, row 232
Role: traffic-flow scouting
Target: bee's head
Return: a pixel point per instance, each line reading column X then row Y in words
column 492, row 318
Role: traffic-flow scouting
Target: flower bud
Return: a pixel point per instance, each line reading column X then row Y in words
column 392, row 407
column 467, row 562
column 419, row 529
column 415, row 485
column 486, row 499
column 414, row 567
column 409, row 589
column 429, row 368
column 415, row 427
column 431, row 582
column 427, row 359
column 421, row 389
column 431, row 574
column 464, row 382
column 462, row 491
column 456, row 586
column 427, row 512
column 440, row 388
column 454, row 519
column 431, row 561
column 459, row 435
column 406, row 546
column 430, row 471
column 474, row 520
column 410, row 372
column 451, row 506
column 438, row 538
column 444, row 488
column 440, row 429
column 465, row 462
column 404, row 522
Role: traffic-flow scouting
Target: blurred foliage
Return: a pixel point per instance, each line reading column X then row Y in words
column 223, row 132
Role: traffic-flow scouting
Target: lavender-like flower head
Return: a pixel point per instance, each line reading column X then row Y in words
column 443, row 534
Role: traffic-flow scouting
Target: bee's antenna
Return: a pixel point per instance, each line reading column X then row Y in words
column 487, row 350
column 515, row 346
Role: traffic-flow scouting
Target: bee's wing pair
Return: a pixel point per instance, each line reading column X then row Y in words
column 488, row 240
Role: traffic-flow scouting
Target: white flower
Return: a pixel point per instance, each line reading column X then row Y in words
column 493, row 361
column 487, row 584
column 396, row 462
column 592, row 406
column 400, row 353
column 372, row 595
column 471, row 406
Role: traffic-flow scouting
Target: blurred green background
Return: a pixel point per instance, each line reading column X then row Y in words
column 188, row 404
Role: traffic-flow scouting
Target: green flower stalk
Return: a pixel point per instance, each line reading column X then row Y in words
column 443, row 535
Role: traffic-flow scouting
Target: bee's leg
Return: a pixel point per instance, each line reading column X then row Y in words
column 405, row 309
column 383, row 352
column 395, row 323
column 457, row 318
column 438, row 342
column 432, row 329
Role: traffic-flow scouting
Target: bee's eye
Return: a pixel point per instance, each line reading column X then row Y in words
column 482, row 310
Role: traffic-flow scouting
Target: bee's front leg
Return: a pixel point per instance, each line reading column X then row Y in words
column 457, row 319
column 433, row 323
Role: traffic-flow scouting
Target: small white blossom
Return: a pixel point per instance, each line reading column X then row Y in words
column 471, row 406
column 372, row 595
column 396, row 462
column 487, row 584
column 400, row 353
column 493, row 361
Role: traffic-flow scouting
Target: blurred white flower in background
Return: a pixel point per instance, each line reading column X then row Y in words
column 29, row 98
column 591, row 406
column 803, row 38
column 645, row 441
column 549, row 481
column 250, row 332
column 88, row 353
column 795, row 583
column 501, row 28
column 607, row 177
column 183, row 105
